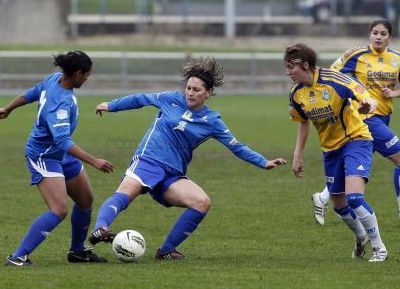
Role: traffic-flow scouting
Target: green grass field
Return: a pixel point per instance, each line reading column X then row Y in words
column 259, row 233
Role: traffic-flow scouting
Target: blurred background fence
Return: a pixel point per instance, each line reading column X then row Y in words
column 40, row 22
column 229, row 17
column 117, row 73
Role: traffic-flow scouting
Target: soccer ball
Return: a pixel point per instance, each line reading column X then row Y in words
column 129, row 245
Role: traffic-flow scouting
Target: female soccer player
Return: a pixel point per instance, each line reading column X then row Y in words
column 160, row 162
column 377, row 67
column 321, row 96
column 52, row 158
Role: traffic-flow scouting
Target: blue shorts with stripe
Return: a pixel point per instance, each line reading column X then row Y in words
column 41, row 168
column 385, row 141
column 353, row 159
column 156, row 177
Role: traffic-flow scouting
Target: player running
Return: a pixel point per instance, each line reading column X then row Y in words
column 322, row 96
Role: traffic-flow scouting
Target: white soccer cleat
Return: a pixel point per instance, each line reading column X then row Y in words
column 359, row 247
column 378, row 255
column 319, row 208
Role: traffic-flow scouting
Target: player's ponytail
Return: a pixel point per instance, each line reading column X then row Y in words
column 73, row 61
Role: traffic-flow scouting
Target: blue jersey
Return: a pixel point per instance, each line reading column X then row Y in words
column 177, row 130
column 56, row 120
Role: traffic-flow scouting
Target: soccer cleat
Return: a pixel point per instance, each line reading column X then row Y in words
column 86, row 256
column 378, row 255
column 359, row 247
column 173, row 255
column 319, row 208
column 18, row 261
column 101, row 235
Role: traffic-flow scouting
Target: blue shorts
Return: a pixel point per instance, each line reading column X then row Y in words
column 352, row 159
column 154, row 176
column 385, row 141
column 68, row 168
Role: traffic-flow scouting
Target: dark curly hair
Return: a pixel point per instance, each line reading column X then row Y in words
column 207, row 69
column 73, row 61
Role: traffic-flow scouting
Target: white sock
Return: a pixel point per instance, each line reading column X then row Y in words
column 398, row 203
column 370, row 224
column 354, row 225
column 324, row 196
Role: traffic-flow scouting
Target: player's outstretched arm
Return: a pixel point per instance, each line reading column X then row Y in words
column 16, row 102
column 275, row 163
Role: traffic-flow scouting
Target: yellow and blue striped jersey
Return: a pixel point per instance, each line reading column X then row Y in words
column 327, row 104
column 374, row 70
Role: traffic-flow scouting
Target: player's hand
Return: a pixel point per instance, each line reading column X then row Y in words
column 388, row 93
column 3, row 113
column 275, row 163
column 298, row 168
column 367, row 105
column 104, row 166
column 101, row 107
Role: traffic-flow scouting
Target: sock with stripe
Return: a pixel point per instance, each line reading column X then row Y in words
column 366, row 215
column 38, row 231
column 350, row 219
column 110, row 209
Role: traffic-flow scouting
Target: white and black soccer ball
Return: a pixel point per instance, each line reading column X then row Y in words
column 129, row 245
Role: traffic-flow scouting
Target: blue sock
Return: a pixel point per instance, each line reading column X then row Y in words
column 356, row 200
column 39, row 230
column 344, row 211
column 110, row 209
column 396, row 180
column 185, row 225
column 80, row 221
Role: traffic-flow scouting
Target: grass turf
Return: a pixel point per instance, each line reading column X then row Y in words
column 259, row 233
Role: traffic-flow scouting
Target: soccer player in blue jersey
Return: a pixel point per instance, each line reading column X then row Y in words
column 53, row 158
column 377, row 67
column 160, row 162
column 323, row 97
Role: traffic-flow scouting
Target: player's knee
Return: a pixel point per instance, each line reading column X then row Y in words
column 203, row 204
column 61, row 211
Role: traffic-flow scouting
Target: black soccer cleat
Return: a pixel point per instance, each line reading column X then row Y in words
column 86, row 256
column 101, row 235
column 173, row 255
column 18, row 261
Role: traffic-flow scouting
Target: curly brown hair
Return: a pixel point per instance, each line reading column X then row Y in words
column 207, row 69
